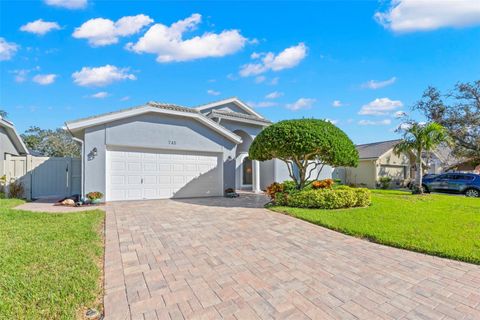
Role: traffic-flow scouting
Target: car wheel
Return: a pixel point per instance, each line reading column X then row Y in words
column 472, row 193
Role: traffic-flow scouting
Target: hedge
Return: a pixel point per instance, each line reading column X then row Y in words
column 341, row 197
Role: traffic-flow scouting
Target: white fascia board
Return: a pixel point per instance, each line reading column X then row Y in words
column 241, row 120
column 234, row 100
column 82, row 124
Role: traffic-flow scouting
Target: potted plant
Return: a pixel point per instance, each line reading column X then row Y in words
column 230, row 193
column 95, row 197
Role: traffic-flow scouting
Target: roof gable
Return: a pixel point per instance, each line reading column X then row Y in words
column 14, row 136
column 375, row 150
column 151, row 107
column 222, row 105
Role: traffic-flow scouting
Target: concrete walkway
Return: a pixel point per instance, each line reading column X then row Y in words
column 229, row 258
column 50, row 206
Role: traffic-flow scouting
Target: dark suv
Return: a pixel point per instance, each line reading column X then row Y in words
column 455, row 182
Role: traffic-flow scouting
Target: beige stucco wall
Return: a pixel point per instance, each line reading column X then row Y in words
column 363, row 174
column 368, row 171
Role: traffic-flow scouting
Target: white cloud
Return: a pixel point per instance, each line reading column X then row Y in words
column 274, row 95
column 40, row 27
column 384, row 122
column 126, row 98
column 302, row 103
column 380, row 106
column 213, row 92
column 274, row 81
column 101, row 76
column 374, row 84
column 69, row 4
column 399, row 114
column 20, row 75
column 232, row 77
column 100, row 95
column 332, row 121
column 103, row 32
column 263, row 104
column 44, row 79
column 337, row 103
column 425, row 15
column 288, row 58
column 260, row 79
column 7, row 49
column 169, row 46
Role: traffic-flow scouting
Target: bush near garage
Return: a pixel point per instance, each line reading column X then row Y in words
column 328, row 196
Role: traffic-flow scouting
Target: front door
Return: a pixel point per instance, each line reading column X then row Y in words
column 246, row 172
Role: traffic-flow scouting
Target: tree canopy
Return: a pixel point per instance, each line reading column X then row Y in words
column 51, row 143
column 304, row 145
column 3, row 113
column 459, row 112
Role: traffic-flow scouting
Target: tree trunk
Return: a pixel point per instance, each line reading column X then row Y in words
column 419, row 177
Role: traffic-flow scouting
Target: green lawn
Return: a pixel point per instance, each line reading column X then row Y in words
column 442, row 225
column 50, row 264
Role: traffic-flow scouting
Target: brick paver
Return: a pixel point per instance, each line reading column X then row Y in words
column 231, row 259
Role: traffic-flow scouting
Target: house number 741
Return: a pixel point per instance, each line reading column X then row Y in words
column 172, row 142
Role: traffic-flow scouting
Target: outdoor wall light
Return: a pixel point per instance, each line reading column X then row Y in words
column 92, row 154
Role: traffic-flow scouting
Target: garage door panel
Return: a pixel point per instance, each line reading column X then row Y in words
column 135, row 175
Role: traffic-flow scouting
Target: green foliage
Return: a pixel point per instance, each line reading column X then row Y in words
column 16, row 190
column 459, row 113
column 326, row 198
column 305, row 144
column 3, row 113
column 385, row 182
column 436, row 224
column 51, row 143
column 94, row 195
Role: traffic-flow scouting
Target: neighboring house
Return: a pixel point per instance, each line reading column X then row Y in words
column 470, row 166
column 159, row 150
column 378, row 160
column 10, row 143
column 440, row 159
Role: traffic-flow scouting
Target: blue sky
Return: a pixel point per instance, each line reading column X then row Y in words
column 356, row 63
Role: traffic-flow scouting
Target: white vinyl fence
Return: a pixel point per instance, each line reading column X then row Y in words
column 45, row 177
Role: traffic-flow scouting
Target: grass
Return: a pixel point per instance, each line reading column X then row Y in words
column 442, row 225
column 50, row 264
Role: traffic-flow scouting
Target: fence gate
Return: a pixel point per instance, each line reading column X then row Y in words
column 45, row 177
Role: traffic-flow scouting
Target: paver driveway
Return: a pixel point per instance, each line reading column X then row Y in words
column 230, row 258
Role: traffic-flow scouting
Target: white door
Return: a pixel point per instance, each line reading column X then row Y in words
column 137, row 175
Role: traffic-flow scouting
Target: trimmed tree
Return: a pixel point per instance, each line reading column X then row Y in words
column 305, row 145
column 419, row 138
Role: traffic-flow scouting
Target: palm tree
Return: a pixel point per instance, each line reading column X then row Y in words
column 419, row 138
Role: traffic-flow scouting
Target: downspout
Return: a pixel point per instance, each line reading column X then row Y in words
column 82, row 177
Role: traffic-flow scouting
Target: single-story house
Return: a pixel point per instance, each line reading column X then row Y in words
column 160, row 150
column 10, row 143
column 378, row 160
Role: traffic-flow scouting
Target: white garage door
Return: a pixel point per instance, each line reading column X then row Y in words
column 137, row 175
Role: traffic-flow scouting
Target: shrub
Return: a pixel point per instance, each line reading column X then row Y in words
column 323, row 184
column 344, row 197
column 15, row 189
column 385, row 182
column 94, row 195
column 273, row 189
